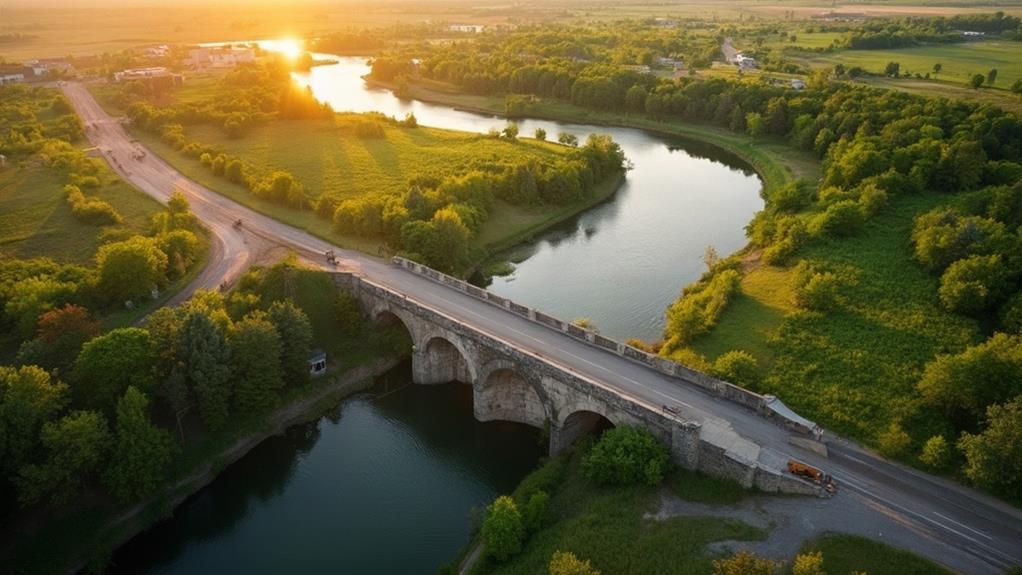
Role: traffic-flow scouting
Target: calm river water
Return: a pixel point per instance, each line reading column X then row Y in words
column 387, row 481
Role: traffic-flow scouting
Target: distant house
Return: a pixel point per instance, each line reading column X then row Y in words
column 743, row 61
column 220, row 56
column 317, row 362
column 798, row 84
column 6, row 79
column 670, row 62
column 467, row 28
column 157, row 78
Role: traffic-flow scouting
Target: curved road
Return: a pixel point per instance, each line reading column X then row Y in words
column 952, row 524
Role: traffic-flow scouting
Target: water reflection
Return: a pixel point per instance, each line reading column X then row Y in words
column 384, row 483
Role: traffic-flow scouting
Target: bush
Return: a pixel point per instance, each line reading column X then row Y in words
column 936, row 452
column 566, row 563
column 503, row 529
column 738, row 367
column 368, row 130
column 129, row 270
column 942, row 237
column 844, row 218
column 699, row 307
column 793, row 197
column 626, row 456
column 894, row 441
column 90, row 210
column 745, row 563
column 994, row 457
column 813, row 290
column 1011, row 314
column 534, row 513
column 973, row 284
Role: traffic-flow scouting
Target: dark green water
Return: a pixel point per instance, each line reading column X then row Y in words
column 385, row 483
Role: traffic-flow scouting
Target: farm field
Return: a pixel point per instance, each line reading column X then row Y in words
column 959, row 61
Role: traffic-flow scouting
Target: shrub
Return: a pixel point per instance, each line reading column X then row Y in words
column 936, row 452
column 894, row 441
column 129, row 270
column 235, row 171
column 738, row 367
column 566, row 563
column 699, row 307
column 973, row 284
column 90, row 210
column 368, row 129
column 813, row 290
column 626, row 456
column 793, row 197
column 1011, row 314
column 808, row 564
column 994, row 457
column 745, row 563
column 872, row 198
column 844, row 218
column 503, row 530
column 942, row 237
column 534, row 513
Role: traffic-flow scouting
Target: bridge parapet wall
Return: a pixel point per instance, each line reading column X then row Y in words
column 677, row 371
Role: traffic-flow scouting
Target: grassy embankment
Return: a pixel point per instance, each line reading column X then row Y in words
column 611, row 528
column 96, row 525
column 325, row 160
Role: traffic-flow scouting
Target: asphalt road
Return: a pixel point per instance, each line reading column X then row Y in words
column 954, row 525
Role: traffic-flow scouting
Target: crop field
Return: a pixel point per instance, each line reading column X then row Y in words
column 959, row 62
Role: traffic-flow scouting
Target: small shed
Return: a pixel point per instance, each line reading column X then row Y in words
column 317, row 362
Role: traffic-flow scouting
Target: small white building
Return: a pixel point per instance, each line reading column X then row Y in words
column 220, row 56
column 743, row 61
column 467, row 28
column 317, row 362
column 6, row 79
column 798, row 84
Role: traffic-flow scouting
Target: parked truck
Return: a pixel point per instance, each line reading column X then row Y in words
column 812, row 474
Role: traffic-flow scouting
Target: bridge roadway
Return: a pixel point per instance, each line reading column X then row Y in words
column 952, row 524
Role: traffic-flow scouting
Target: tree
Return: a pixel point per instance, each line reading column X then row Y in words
column 991, row 76
column 738, row 367
column 936, row 452
column 814, row 290
column 540, row 134
column 635, row 99
column 510, row 132
column 844, row 218
column 295, row 333
column 626, row 456
column 255, row 363
column 994, row 457
column 937, row 68
column 131, row 269
column 181, row 248
column 177, row 203
column 1016, row 87
column 74, row 447
column 808, row 564
column 974, row 284
column 568, row 139
column 892, row 69
column 967, row 383
column 62, row 332
column 141, row 452
column 206, row 356
column 754, row 124
column 109, row 364
column 503, row 530
column 976, row 81
column 745, row 563
column 566, row 563
column 29, row 397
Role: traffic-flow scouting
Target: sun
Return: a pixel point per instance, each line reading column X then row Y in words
column 290, row 48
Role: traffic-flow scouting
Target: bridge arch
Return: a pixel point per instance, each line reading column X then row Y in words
column 576, row 425
column 503, row 391
column 438, row 359
column 387, row 317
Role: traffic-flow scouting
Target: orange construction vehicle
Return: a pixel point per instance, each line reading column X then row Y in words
column 811, row 473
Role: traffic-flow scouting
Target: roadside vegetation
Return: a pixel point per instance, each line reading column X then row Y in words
column 130, row 413
column 593, row 511
column 367, row 179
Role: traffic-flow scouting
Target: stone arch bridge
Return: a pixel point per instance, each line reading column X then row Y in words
column 523, row 386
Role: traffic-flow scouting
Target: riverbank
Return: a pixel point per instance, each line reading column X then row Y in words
column 85, row 537
column 776, row 162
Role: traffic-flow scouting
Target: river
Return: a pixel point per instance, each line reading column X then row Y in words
column 387, row 481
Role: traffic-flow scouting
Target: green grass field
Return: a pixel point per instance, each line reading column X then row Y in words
column 959, row 61
column 853, row 369
column 36, row 220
